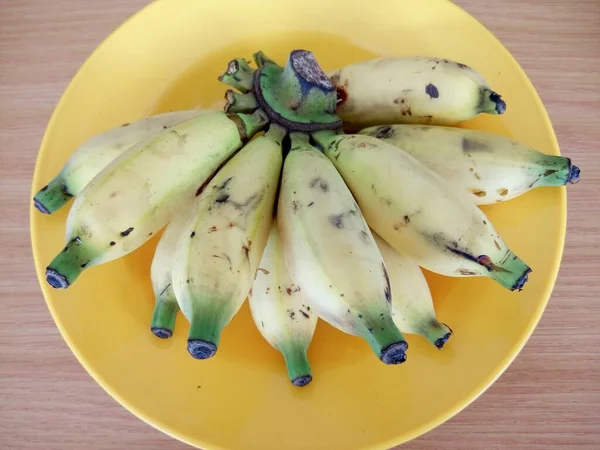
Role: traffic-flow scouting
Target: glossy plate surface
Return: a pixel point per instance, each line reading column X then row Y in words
column 168, row 57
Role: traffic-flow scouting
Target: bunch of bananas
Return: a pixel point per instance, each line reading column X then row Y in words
column 303, row 220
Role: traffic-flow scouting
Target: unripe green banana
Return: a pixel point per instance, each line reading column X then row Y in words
column 165, row 302
column 412, row 89
column 331, row 253
column 281, row 312
column 96, row 153
column 491, row 167
column 420, row 214
column 219, row 252
column 140, row 191
column 412, row 305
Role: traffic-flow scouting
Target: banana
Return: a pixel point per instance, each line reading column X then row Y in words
column 218, row 254
column 165, row 302
column 491, row 167
column 96, row 153
column 330, row 252
column 140, row 191
column 420, row 214
column 412, row 305
column 281, row 313
column 413, row 89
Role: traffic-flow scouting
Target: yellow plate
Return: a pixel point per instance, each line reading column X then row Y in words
column 168, row 56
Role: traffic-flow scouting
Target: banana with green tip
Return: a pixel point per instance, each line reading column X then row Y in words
column 98, row 152
column 331, row 253
column 419, row 213
column 491, row 167
column 165, row 302
column 281, row 312
column 412, row 305
column 217, row 257
column 141, row 190
column 412, row 89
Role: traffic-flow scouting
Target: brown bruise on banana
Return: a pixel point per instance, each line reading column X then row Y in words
column 453, row 247
column 403, row 103
column 383, row 132
column 319, row 183
column 482, row 260
column 470, row 145
column 478, row 192
column 387, row 290
column 222, row 199
column 337, row 220
column 502, row 192
column 405, row 220
column 294, row 313
column 342, row 94
column 225, row 257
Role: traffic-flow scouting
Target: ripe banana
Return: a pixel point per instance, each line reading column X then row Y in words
column 331, row 253
column 412, row 305
column 412, row 89
column 217, row 257
column 165, row 302
column 491, row 167
column 420, row 214
column 281, row 312
column 96, row 153
column 140, row 191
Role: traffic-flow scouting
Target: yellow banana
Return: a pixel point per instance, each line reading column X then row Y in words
column 411, row 89
column 97, row 152
column 218, row 254
column 412, row 305
column 281, row 312
column 331, row 253
column 419, row 214
column 491, row 167
column 139, row 192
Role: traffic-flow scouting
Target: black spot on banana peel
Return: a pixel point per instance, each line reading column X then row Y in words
column 127, row 232
column 432, row 91
column 320, row 183
column 388, row 287
column 337, row 220
column 383, row 132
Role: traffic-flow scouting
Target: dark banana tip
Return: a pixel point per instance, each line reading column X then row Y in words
column 522, row 280
column 500, row 104
column 40, row 207
column 201, row 349
column 302, row 380
column 55, row 279
column 394, row 353
column 163, row 333
column 574, row 173
column 441, row 341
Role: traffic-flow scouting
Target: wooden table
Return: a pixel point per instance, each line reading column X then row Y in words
column 548, row 398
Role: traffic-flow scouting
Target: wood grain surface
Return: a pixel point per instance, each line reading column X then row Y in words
column 549, row 398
